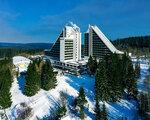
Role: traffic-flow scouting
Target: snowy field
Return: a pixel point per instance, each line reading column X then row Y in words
column 44, row 103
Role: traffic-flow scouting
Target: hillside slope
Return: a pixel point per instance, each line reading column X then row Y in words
column 44, row 103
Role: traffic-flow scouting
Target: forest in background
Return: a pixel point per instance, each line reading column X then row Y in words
column 11, row 52
column 139, row 45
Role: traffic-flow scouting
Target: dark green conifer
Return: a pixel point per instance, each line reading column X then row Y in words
column 92, row 65
column 32, row 84
column 104, row 113
column 137, row 70
column 131, row 81
column 48, row 78
column 80, row 101
column 97, row 111
column 82, row 115
column 101, row 83
column 61, row 112
column 5, row 85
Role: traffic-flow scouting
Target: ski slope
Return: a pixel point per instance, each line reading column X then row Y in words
column 44, row 103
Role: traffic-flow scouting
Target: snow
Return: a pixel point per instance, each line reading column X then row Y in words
column 21, row 63
column 144, row 72
column 144, row 65
column 44, row 103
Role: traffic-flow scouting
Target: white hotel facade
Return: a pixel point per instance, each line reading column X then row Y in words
column 70, row 43
column 66, row 51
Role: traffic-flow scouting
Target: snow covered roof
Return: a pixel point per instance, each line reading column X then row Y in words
column 105, row 40
column 20, row 59
column 21, row 63
column 74, row 26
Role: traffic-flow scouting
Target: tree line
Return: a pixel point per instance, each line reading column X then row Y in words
column 10, row 52
column 136, row 45
column 134, row 42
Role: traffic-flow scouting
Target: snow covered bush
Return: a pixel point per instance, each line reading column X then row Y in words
column 23, row 112
column 61, row 111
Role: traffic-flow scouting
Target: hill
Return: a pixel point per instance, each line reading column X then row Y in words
column 134, row 42
column 138, row 46
column 26, row 45
column 44, row 104
column 12, row 49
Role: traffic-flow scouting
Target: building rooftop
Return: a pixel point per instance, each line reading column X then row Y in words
column 71, row 24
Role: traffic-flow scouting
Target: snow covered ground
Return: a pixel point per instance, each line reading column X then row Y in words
column 21, row 63
column 144, row 72
column 44, row 103
column 144, row 65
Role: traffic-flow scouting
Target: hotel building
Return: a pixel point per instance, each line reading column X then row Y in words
column 66, row 51
column 67, row 47
column 97, row 44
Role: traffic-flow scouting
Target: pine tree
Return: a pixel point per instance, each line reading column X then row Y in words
column 32, row 84
column 92, row 65
column 62, row 108
column 97, row 111
column 61, row 112
column 82, row 115
column 131, row 81
column 101, row 83
column 104, row 113
column 38, row 64
column 144, row 105
column 137, row 70
column 5, row 99
column 115, row 78
column 124, row 70
column 128, row 76
column 89, row 64
column 48, row 78
column 80, row 101
column 5, row 85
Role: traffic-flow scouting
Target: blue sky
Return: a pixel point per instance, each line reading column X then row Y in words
column 42, row 20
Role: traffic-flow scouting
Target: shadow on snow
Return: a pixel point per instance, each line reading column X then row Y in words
column 21, row 82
